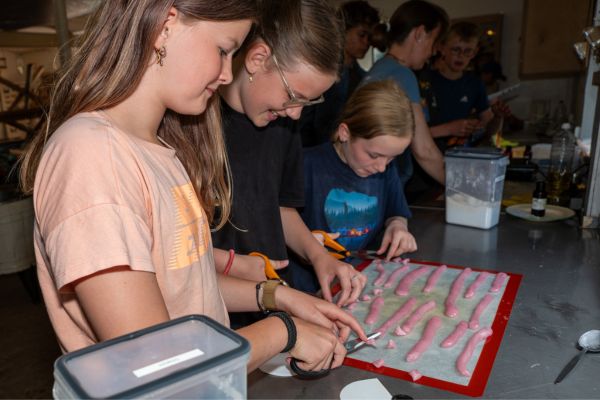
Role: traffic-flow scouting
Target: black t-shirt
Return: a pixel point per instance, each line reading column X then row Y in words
column 266, row 167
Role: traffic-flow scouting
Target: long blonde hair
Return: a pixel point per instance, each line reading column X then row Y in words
column 111, row 57
column 378, row 108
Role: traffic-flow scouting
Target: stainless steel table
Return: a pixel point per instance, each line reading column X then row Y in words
column 559, row 298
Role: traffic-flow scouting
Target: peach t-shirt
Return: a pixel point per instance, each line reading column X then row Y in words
column 104, row 198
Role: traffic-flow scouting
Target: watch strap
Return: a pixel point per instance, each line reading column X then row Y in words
column 268, row 295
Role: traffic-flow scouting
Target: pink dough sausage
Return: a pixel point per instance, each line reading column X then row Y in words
column 474, row 321
column 433, row 278
column 404, row 286
column 397, row 316
column 381, row 277
column 416, row 316
column 423, row 344
column 456, row 334
column 450, row 303
column 375, row 310
column 470, row 292
column 395, row 275
column 465, row 356
column 498, row 282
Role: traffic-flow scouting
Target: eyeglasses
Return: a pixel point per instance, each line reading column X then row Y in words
column 294, row 101
column 468, row 52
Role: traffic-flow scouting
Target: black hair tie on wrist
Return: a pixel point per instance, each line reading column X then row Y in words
column 291, row 329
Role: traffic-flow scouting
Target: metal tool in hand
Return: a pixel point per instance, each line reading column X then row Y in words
column 340, row 252
column 588, row 342
column 365, row 254
column 355, row 344
column 350, row 345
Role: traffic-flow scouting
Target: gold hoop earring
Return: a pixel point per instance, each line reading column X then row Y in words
column 161, row 54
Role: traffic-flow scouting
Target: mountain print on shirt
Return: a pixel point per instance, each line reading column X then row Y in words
column 351, row 214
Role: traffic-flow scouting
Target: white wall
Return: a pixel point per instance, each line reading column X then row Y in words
column 552, row 89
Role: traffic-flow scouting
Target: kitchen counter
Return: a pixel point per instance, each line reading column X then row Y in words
column 558, row 300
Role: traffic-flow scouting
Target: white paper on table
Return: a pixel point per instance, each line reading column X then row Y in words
column 277, row 366
column 365, row 389
column 436, row 362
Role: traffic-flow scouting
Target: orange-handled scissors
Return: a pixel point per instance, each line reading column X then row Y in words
column 335, row 249
column 269, row 270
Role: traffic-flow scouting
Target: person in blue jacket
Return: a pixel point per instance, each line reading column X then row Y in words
column 351, row 186
column 414, row 29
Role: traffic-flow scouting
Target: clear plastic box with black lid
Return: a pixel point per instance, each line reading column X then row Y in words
column 189, row 357
column 474, row 185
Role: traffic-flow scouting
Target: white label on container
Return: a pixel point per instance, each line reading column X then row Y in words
column 167, row 363
column 538, row 204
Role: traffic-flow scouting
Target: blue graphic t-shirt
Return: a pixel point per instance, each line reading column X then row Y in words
column 338, row 200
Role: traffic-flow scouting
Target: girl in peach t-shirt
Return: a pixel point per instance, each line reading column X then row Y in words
column 127, row 177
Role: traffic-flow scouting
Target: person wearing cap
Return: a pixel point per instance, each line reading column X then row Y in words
column 456, row 99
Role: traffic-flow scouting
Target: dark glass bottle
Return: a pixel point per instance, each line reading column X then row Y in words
column 527, row 154
column 539, row 198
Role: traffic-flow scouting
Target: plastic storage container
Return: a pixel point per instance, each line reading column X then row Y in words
column 474, row 183
column 561, row 162
column 189, row 357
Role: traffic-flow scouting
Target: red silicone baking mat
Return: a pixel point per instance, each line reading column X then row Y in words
column 483, row 367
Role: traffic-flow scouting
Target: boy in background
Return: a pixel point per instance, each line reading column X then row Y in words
column 459, row 111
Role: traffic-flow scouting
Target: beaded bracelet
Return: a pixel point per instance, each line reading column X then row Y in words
column 291, row 329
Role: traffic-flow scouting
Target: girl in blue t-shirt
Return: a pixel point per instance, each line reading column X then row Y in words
column 351, row 186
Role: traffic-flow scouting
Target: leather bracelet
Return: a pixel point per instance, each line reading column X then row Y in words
column 291, row 329
column 268, row 294
column 259, row 296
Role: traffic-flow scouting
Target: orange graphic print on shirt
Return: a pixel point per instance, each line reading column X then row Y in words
column 191, row 231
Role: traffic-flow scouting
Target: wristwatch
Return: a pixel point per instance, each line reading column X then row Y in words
column 268, row 294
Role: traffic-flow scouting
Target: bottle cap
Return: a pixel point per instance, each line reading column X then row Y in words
column 566, row 126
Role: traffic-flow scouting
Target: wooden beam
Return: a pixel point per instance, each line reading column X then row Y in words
column 15, row 115
column 23, row 39
column 18, row 89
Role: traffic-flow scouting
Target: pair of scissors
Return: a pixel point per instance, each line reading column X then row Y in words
column 365, row 254
column 269, row 270
column 335, row 249
column 340, row 252
column 350, row 346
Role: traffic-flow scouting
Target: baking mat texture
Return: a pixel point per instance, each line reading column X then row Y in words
column 437, row 364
